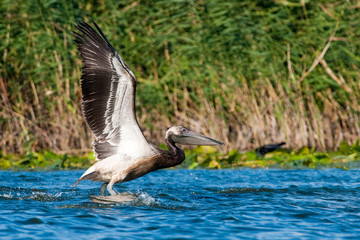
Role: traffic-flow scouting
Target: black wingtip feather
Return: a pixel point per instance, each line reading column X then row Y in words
column 103, row 36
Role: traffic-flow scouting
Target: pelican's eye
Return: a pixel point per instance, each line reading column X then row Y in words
column 183, row 130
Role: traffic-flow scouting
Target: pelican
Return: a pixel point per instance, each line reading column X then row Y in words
column 108, row 104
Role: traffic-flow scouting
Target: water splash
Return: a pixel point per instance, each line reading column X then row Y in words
column 144, row 199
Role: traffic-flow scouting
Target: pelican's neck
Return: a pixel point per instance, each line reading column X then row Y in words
column 175, row 155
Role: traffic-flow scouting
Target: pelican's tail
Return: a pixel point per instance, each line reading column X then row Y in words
column 77, row 182
column 87, row 176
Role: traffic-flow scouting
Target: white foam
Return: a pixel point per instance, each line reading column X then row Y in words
column 145, row 199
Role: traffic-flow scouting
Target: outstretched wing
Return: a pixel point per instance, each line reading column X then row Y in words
column 108, row 96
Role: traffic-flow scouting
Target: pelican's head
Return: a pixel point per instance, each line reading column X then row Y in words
column 183, row 135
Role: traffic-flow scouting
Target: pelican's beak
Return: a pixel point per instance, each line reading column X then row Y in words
column 194, row 138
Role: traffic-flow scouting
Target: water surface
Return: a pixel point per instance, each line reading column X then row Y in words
column 185, row 204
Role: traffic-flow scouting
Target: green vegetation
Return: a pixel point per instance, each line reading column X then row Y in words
column 246, row 72
column 45, row 160
column 346, row 157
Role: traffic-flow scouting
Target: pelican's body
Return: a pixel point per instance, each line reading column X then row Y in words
column 108, row 101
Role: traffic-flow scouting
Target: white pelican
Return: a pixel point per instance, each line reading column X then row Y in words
column 108, row 103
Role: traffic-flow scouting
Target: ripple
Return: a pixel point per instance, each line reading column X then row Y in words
column 226, row 204
column 252, row 190
column 31, row 221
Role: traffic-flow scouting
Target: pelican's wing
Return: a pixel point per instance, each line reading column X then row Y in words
column 108, row 96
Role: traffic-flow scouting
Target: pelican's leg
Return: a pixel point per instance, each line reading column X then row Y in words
column 102, row 189
column 110, row 188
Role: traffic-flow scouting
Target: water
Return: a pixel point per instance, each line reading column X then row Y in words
column 185, row 204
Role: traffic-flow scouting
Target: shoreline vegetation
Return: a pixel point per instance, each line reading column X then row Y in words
column 248, row 73
column 346, row 157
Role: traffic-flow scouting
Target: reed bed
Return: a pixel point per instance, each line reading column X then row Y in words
column 247, row 73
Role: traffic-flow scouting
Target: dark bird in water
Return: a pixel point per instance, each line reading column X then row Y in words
column 108, row 103
column 261, row 151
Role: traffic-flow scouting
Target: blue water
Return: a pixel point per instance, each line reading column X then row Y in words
column 185, row 204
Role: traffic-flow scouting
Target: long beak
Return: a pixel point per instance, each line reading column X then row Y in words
column 194, row 138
